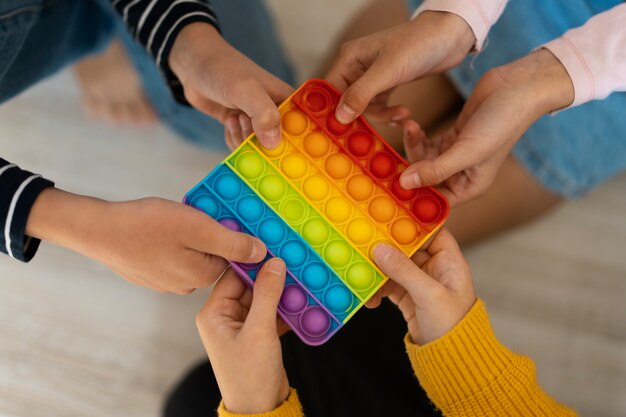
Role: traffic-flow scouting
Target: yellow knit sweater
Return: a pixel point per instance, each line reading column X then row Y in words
column 467, row 372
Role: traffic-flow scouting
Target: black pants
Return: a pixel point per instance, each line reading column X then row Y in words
column 362, row 371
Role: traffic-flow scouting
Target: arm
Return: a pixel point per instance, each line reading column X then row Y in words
column 18, row 191
column 594, row 55
column 456, row 357
column 202, row 69
column 480, row 15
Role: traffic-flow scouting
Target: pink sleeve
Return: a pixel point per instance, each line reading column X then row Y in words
column 594, row 55
column 480, row 15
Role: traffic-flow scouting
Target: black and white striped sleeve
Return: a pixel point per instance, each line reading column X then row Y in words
column 18, row 191
column 156, row 23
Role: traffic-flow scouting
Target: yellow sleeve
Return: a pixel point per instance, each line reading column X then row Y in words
column 467, row 372
column 290, row 408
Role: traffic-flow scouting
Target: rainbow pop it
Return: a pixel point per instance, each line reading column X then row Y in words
column 321, row 201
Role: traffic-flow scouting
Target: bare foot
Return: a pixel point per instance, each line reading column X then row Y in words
column 110, row 88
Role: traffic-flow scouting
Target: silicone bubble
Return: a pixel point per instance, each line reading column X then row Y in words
column 426, row 208
column 337, row 209
column 400, row 192
column 333, row 125
column 316, row 100
column 231, row 224
column 338, row 166
column 315, row 276
column 382, row 208
column 272, row 231
column 360, row 231
column 404, row 230
column 207, row 204
column 316, row 231
column 316, row 187
column 250, row 209
column 316, row 144
column 272, row 153
column 293, row 210
column 228, row 186
column 360, row 187
column 272, row 187
column 293, row 300
column 314, row 322
column 250, row 165
column 294, row 166
column 382, row 165
column 294, row 122
column 361, row 276
column 338, row 299
column 294, row 253
column 360, row 143
column 338, row 253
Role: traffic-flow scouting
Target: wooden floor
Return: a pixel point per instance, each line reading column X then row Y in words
column 77, row 341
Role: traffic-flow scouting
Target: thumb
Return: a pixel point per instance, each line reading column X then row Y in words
column 357, row 97
column 400, row 269
column 264, row 114
column 266, row 294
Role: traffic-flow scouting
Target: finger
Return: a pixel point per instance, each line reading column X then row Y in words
column 431, row 172
column 266, row 294
column 246, row 125
column 204, row 234
column 399, row 268
column 358, row 96
column 234, row 129
column 391, row 115
column 230, row 286
column 413, row 139
column 264, row 114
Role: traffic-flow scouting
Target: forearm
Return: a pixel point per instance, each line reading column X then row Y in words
column 467, row 372
column 18, row 191
column 156, row 24
column 480, row 15
column 594, row 55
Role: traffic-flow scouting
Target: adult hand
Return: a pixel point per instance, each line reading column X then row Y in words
column 369, row 68
column 155, row 243
column 434, row 291
column 225, row 84
column 505, row 103
column 239, row 331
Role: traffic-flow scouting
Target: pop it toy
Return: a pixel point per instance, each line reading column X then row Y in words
column 321, row 201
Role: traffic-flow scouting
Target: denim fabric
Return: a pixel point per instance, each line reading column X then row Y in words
column 572, row 151
column 39, row 37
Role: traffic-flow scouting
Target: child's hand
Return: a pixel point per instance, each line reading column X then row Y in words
column 505, row 103
column 155, row 243
column 434, row 293
column 227, row 85
column 369, row 68
column 239, row 330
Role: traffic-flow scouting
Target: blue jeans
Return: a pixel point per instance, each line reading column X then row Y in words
column 572, row 151
column 39, row 37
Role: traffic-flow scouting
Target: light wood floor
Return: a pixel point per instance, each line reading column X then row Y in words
column 77, row 341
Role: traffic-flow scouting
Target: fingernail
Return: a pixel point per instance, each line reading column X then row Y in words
column 275, row 266
column 410, row 180
column 398, row 118
column 345, row 114
column 392, row 124
column 271, row 138
column 382, row 252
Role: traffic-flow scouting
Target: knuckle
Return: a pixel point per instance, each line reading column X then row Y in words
column 358, row 96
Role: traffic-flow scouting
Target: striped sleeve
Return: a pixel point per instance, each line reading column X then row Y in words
column 18, row 191
column 156, row 23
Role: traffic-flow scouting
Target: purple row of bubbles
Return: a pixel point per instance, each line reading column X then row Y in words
column 311, row 322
